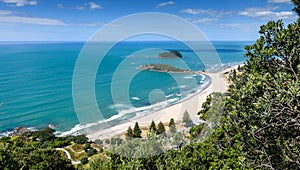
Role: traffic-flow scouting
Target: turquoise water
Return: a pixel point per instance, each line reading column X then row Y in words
column 36, row 81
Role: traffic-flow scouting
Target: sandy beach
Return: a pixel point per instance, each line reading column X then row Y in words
column 192, row 104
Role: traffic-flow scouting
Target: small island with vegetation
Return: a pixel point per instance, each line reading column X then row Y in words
column 170, row 54
column 164, row 68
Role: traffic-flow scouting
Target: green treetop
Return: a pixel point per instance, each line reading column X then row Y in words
column 129, row 133
column 186, row 119
column 152, row 126
column 161, row 128
column 172, row 126
column 137, row 131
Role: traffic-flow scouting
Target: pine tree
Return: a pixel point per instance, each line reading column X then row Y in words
column 172, row 126
column 186, row 119
column 137, row 131
column 239, row 68
column 161, row 128
column 152, row 126
column 129, row 133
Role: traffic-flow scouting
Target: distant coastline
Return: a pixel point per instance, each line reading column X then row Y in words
column 165, row 68
column 191, row 103
column 36, row 98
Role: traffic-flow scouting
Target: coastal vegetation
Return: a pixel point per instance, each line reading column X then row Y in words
column 163, row 68
column 170, row 54
column 255, row 126
column 259, row 117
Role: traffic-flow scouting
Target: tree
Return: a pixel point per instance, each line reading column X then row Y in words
column 45, row 134
column 84, row 160
column 297, row 6
column 137, row 131
column 152, row 126
column 161, row 128
column 80, row 139
column 172, row 126
column 87, row 147
column 100, row 142
column 186, row 119
column 92, row 151
column 129, row 133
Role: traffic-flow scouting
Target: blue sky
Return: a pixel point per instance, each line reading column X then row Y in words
column 77, row 20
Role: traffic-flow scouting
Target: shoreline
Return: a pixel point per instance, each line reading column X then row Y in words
column 192, row 104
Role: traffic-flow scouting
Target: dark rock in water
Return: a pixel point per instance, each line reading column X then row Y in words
column 170, row 54
column 19, row 131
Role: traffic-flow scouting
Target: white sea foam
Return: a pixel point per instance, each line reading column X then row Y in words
column 135, row 98
column 188, row 77
column 183, row 86
column 125, row 109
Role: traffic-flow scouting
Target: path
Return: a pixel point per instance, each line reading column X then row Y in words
column 69, row 156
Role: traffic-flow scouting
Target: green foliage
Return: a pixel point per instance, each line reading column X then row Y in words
column 172, row 126
column 186, row 119
column 162, row 68
column 116, row 141
column 152, row 126
column 45, row 134
column 107, row 141
column 80, row 139
column 87, row 147
column 91, row 151
column 196, row 130
column 297, row 6
column 129, row 133
column 170, row 54
column 256, row 126
column 100, row 163
column 203, row 114
column 60, row 143
column 137, row 148
column 161, row 128
column 29, row 157
column 98, row 141
column 137, row 131
column 84, row 160
column 7, row 162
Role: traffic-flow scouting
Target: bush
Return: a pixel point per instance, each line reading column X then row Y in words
column 90, row 152
column 46, row 134
column 114, row 141
column 86, row 147
column 98, row 141
column 84, row 160
column 80, row 139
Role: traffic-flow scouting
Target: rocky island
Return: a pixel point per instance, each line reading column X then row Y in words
column 163, row 68
column 170, row 54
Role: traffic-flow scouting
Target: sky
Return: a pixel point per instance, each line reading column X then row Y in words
column 78, row 20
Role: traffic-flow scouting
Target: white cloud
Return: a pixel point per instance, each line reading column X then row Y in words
column 267, row 14
column 79, row 7
column 93, row 5
column 165, row 4
column 5, row 12
column 14, row 18
column 209, row 12
column 19, row 2
column 90, row 5
column 204, row 20
column 280, row 1
column 198, row 11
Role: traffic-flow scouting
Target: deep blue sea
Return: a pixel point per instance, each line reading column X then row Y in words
column 36, row 81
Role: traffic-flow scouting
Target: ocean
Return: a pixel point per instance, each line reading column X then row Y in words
column 36, row 81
